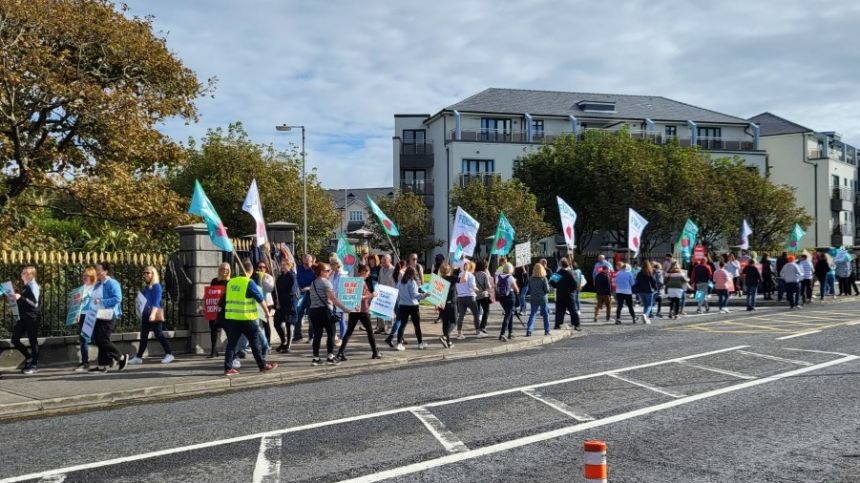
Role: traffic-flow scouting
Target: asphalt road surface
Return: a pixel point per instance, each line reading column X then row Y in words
column 769, row 399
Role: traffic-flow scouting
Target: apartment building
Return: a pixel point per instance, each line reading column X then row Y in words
column 822, row 168
column 482, row 136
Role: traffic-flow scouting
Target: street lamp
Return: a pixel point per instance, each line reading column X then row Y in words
column 285, row 128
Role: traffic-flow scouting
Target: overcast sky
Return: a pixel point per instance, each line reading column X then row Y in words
column 344, row 67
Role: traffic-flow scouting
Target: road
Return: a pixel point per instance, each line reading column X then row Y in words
column 770, row 399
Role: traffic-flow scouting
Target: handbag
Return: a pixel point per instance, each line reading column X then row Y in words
column 332, row 315
column 156, row 315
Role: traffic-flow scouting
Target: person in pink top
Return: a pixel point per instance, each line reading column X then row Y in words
column 723, row 286
column 362, row 316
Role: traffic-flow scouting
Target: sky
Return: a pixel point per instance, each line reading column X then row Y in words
column 343, row 68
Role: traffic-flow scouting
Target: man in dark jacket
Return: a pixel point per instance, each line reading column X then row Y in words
column 603, row 290
column 29, row 319
column 780, row 283
column 752, row 279
column 564, row 296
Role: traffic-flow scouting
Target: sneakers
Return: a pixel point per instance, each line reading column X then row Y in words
column 241, row 355
column 460, row 336
column 29, row 370
column 401, row 347
column 617, row 321
column 376, row 355
column 528, row 333
column 444, row 342
column 122, row 362
column 236, row 364
column 167, row 359
column 577, row 328
column 390, row 341
column 98, row 369
column 135, row 361
column 269, row 366
column 546, row 332
column 422, row 345
column 83, row 367
column 484, row 332
column 340, row 357
column 502, row 338
column 231, row 372
column 331, row 361
column 316, row 361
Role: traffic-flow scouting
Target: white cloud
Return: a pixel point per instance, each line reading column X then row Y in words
column 344, row 68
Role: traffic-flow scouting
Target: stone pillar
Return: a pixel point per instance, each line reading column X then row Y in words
column 200, row 259
column 282, row 232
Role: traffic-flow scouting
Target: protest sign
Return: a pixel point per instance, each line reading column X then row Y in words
column 349, row 292
column 523, row 254
column 383, row 304
column 77, row 299
column 438, row 290
column 212, row 301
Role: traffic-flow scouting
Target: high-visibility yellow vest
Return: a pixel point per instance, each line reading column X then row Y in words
column 238, row 306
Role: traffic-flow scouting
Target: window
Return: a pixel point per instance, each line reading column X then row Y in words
column 710, row 132
column 474, row 166
column 597, row 106
column 414, row 136
column 495, row 129
column 414, row 180
column 537, row 126
column 671, row 131
column 834, row 180
column 356, row 215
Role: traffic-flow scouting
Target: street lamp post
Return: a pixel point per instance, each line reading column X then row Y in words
column 285, row 128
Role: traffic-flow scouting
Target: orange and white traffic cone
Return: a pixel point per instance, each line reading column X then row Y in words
column 595, row 468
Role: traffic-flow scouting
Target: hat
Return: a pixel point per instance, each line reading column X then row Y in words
column 790, row 258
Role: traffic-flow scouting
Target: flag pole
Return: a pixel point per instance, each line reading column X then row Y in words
column 396, row 254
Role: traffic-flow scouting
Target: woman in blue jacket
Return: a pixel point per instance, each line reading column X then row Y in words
column 106, row 307
column 149, row 322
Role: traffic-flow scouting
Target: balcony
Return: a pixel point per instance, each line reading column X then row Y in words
column 487, row 179
column 842, row 199
column 416, row 155
column 842, row 236
column 832, row 154
column 421, row 187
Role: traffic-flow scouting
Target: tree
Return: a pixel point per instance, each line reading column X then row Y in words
column 413, row 220
column 82, row 89
column 227, row 162
column 485, row 201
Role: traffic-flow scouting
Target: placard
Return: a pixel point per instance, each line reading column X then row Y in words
column 438, row 290
column 212, row 301
column 699, row 253
column 140, row 304
column 9, row 291
column 77, row 299
column 349, row 292
column 523, row 253
column 383, row 304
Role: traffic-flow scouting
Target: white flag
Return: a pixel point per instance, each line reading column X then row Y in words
column 568, row 219
column 252, row 206
column 635, row 227
column 746, row 231
column 464, row 234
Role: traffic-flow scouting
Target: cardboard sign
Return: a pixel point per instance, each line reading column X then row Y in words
column 212, row 301
column 523, row 253
column 699, row 252
column 383, row 304
column 438, row 290
column 77, row 299
column 349, row 292
column 9, row 291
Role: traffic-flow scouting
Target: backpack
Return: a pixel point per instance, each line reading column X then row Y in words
column 504, row 286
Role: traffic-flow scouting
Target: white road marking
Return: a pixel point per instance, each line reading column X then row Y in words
column 799, row 334
column 651, row 387
column 853, row 322
column 840, row 354
column 557, row 405
column 517, row 443
column 718, row 371
column 53, row 479
column 775, row 358
column 350, row 419
column 448, row 439
column 267, row 470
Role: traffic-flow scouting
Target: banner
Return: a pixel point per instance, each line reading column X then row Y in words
column 253, row 207
column 464, row 234
column 568, row 220
column 387, row 225
column 349, row 292
column 438, row 290
column 503, row 240
column 793, row 242
column 346, row 253
column 523, row 254
column 746, row 231
column 201, row 206
column 688, row 240
column 77, row 299
column 635, row 226
column 212, row 301
column 383, row 304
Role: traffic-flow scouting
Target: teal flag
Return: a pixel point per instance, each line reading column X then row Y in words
column 201, row 206
column 793, row 242
column 387, row 225
column 503, row 241
column 688, row 240
column 346, row 253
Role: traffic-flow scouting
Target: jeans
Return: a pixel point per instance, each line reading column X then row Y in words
column 484, row 305
column 647, row 303
column 251, row 331
column 620, row 300
column 320, row 318
column 470, row 303
column 806, row 290
column 780, row 289
column 84, row 341
column 524, row 292
column 562, row 305
column 722, row 298
column 828, row 285
column 792, row 293
column 751, row 293
column 108, row 352
column 543, row 312
column 297, row 322
column 674, row 306
column 507, row 303
column 705, row 289
column 264, row 346
column 30, row 327
column 409, row 312
column 354, row 319
column 576, row 305
column 158, row 328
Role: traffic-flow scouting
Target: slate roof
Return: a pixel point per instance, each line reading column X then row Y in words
column 359, row 194
column 555, row 103
column 773, row 125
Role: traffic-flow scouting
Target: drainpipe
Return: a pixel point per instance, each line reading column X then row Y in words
column 574, row 124
column 804, row 158
column 694, row 133
column 844, row 152
column 825, row 146
column 528, row 126
column 457, row 131
column 756, row 134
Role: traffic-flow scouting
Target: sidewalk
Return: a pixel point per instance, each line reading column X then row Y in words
column 59, row 389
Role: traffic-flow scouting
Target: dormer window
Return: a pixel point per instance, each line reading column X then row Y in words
column 596, row 106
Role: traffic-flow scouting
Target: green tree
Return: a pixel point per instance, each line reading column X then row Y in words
column 414, row 222
column 485, row 201
column 227, row 162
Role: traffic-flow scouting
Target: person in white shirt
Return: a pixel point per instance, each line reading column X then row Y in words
column 806, row 281
column 791, row 276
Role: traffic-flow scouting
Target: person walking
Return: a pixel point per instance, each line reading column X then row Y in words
column 565, row 291
column 29, row 303
column 538, row 294
column 484, row 296
column 791, row 276
column 723, row 286
column 624, row 293
column 601, row 264
column 88, row 279
column 506, row 294
column 215, row 326
column 825, row 273
column 286, row 296
column 603, row 292
column 702, row 275
column 660, row 277
column 106, row 308
column 767, row 277
column 386, row 277
column 645, row 287
column 580, row 281
column 243, row 300
column 467, row 290
column 780, row 282
column 521, row 275
column 336, row 273
column 264, row 279
column 152, row 318
column 733, row 266
column 408, row 299
column 808, row 272
column 362, row 314
column 752, row 280
column 322, row 315
column 448, row 309
column 305, row 277
column 843, row 275
column 417, row 267
column 676, row 288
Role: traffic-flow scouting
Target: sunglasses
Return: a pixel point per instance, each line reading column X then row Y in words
column 326, row 271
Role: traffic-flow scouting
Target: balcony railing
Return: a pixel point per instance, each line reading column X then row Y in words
column 423, row 187
column 416, row 149
column 844, row 194
column 487, row 179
